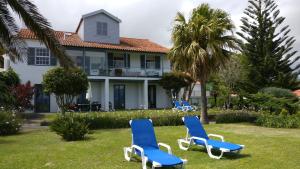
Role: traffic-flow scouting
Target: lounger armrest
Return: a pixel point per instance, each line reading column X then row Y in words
column 140, row 149
column 200, row 139
column 166, row 146
column 216, row 135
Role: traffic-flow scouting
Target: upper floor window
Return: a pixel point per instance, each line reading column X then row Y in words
column 102, row 28
column 42, row 56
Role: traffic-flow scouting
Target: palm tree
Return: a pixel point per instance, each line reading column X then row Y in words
column 29, row 14
column 202, row 45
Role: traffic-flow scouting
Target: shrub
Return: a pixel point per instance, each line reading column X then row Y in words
column 279, row 92
column 70, row 126
column 23, row 94
column 9, row 123
column 66, row 84
column 267, row 102
column 279, row 121
column 236, row 117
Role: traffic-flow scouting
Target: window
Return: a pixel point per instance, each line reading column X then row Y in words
column 150, row 62
column 101, row 28
column 42, row 56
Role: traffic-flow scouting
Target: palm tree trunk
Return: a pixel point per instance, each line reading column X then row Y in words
column 204, row 116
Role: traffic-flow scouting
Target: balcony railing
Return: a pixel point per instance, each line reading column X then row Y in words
column 127, row 72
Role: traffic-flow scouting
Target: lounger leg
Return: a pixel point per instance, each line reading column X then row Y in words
column 209, row 148
column 126, row 151
column 144, row 163
column 180, row 143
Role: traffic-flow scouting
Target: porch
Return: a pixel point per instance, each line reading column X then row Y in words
column 127, row 93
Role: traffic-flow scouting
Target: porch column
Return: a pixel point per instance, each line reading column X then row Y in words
column 145, row 94
column 106, row 94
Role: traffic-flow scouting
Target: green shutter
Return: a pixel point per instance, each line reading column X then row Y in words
column 142, row 61
column 30, row 56
column 157, row 62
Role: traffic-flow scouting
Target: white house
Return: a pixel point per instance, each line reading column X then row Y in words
column 121, row 71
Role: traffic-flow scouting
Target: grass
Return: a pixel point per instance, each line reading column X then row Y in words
column 265, row 148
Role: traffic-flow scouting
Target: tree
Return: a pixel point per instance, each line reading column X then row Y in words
column 8, row 79
column 201, row 45
column 268, row 47
column 173, row 82
column 66, row 84
column 28, row 13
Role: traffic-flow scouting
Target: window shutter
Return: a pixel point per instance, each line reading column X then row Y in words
column 127, row 60
column 142, row 61
column 110, row 59
column 157, row 62
column 53, row 60
column 79, row 61
column 87, row 65
column 30, row 56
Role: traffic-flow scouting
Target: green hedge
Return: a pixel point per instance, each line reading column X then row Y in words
column 279, row 121
column 111, row 120
column 9, row 123
column 237, row 116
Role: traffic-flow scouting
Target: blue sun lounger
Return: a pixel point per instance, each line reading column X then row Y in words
column 186, row 105
column 197, row 135
column 178, row 107
column 144, row 144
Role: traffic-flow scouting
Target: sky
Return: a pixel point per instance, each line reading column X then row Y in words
column 153, row 19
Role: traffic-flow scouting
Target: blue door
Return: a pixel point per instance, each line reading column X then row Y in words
column 41, row 100
column 119, row 96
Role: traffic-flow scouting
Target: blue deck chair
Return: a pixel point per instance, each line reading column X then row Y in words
column 186, row 105
column 144, row 144
column 197, row 135
column 178, row 107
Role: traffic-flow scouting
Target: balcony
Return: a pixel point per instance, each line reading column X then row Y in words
column 127, row 72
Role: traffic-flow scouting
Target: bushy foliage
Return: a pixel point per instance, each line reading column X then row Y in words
column 23, row 94
column 8, row 79
column 236, row 117
column 66, row 84
column 279, row 121
column 9, row 123
column 280, row 93
column 70, row 127
column 112, row 120
column 173, row 82
column 267, row 102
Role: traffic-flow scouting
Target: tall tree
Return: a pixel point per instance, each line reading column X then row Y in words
column 201, row 45
column 28, row 13
column 268, row 47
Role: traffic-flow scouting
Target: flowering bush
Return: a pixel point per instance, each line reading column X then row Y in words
column 9, row 123
column 23, row 95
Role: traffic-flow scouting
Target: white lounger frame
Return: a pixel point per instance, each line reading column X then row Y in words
column 190, row 141
column 129, row 151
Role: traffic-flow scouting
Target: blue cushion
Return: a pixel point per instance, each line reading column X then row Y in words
column 195, row 127
column 143, row 133
column 219, row 144
column 162, row 157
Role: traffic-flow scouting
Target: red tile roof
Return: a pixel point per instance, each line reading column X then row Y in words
column 127, row 44
column 297, row 92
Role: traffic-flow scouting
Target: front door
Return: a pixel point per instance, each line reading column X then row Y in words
column 41, row 99
column 119, row 96
column 152, row 96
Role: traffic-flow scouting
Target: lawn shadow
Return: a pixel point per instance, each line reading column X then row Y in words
column 137, row 159
column 228, row 156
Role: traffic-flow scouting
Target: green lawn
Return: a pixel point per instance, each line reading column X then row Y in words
column 265, row 148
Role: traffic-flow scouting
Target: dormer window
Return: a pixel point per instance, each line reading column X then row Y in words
column 102, row 28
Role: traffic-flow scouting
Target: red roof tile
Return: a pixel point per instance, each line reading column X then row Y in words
column 127, row 44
